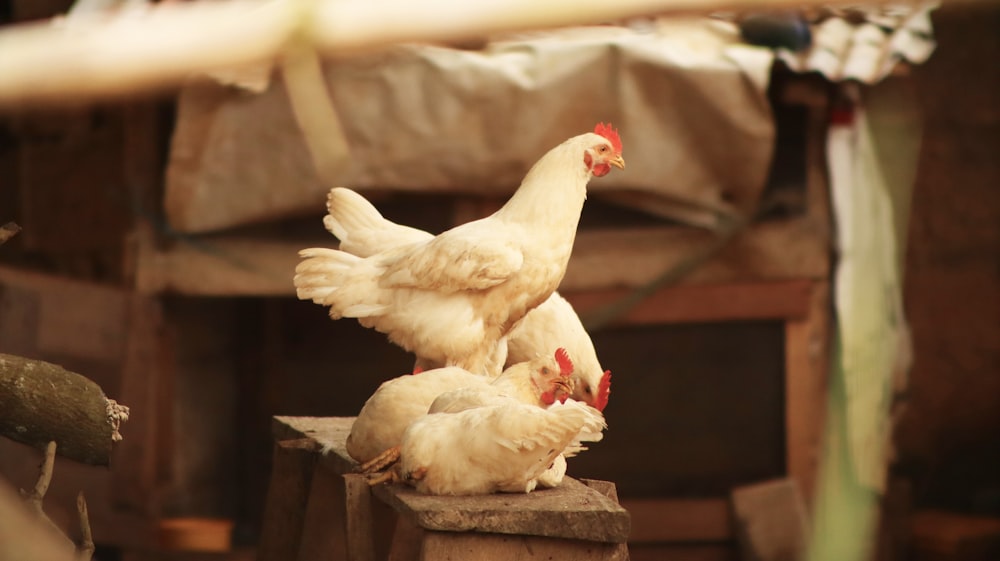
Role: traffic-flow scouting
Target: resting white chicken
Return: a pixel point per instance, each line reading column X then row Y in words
column 398, row 402
column 452, row 299
column 543, row 328
column 363, row 231
column 502, row 445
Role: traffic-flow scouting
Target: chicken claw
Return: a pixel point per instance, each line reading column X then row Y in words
column 380, row 462
column 389, row 476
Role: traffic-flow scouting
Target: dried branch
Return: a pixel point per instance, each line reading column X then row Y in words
column 85, row 552
column 37, row 494
column 40, row 402
column 8, row 231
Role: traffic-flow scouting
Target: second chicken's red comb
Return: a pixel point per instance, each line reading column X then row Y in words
column 603, row 391
column 608, row 132
column 565, row 363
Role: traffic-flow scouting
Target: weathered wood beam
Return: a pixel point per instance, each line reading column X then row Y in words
column 42, row 402
column 781, row 300
column 680, row 520
column 807, row 339
column 584, row 514
column 230, row 265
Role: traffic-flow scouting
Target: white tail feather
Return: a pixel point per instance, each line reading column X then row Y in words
column 340, row 280
column 363, row 310
column 361, row 229
column 349, row 212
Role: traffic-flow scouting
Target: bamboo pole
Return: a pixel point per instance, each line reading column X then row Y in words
column 138, row 50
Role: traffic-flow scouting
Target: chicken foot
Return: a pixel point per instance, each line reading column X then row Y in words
column 380, row 462
column 388, row 476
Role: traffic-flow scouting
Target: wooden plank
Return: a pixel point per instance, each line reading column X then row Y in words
column 72, row 156
column 142, row 173
column 609, row 490
column 807, row 339
column 230, row 265
column 679, row 520
column 136, row 458
column 807, row 360
column 771, row 521
column 571, row 510
column 220, row 266
column 330, row 433
column 683, row 552
column 143, row 153
column 446, row 546
column 324, row 528
column 369, row 521
column 407, row 541
column 287, row 498
column 704, row 303
column 606, row 488
column 74, row 318
column 943, row 535
column 243, row 553
column 360, row 539
column 337, row 495
column 19, row 317
column 774, row 250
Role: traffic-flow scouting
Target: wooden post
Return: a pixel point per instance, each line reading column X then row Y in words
column 806, row 367
column 324, row 523
column 360, row 520
column 807, row 340
column 287, row 496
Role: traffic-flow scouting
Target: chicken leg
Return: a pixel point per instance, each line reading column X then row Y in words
column 380, row 462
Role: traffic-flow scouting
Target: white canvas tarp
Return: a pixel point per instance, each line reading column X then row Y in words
column 688, row 98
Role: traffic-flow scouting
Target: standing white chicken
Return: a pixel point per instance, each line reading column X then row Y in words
column 452, row 299
column 363, row 231
column 504, row 445
column 398, row 402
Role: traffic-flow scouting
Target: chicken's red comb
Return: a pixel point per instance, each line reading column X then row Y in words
column 608, row 132
column 603, row 391
column 565, row 363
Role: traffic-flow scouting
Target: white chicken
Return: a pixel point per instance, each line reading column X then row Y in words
column 363, row 231
column 452, row 299
column 543, row 328
column 502, row 446
column 398, row 402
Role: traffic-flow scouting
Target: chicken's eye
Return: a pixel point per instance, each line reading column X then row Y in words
column 603, row 149
column 545, row 370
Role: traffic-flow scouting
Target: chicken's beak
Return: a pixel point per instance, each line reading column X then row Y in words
column 564, row 384
column 618, row 162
